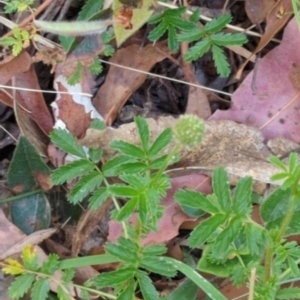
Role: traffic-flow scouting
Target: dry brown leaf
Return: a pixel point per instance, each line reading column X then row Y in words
column 32, row 239
column 121, row 83
column 276, row 19
column 257, row 10
column 31, row 130
column 33, row 102
column 69, row 112
column 87, row 224
column 198, row 103
column 238, row 148
column 19, row 64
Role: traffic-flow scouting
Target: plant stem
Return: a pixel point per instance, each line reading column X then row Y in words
column 283, row 227
column 21, row 196
column 287, row 219
column 268, row 262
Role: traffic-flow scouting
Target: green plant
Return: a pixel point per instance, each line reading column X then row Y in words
column 141, row 168
column 171, row 22
column 296, row 6
column 234, row 245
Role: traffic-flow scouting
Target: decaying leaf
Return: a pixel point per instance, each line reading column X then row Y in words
column 257, row 10
column 276, row 19
column 274, row 108
column 130, row 17
column 120, row 83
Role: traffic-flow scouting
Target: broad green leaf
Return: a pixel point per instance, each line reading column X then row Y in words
column 153, row 250
column 293, row 159
column 292, row 229
column 226, row 237
column 226, row 39
column 159, row 162
column 20, row 286
column 143, row 131
column 242, row 205
column 276, row 204
column 96, row 123
column 205, row 229
column 207, row 265
column 95, row 155
column 71, row 170
column 67, row 42
column 123, row 191
column 76, row 75
column 139, row 18
column 89, row 9
column 126, row 250
column 84, row 187
column 187, row 290
column 160, row 143
column 128, row 293
column 62, row 294
column 31, row 213
column 274, row 160
column 256, row 238
column 74, row 28
column 293, row 265
column 195, row 16
column 201, row 282
column 135, row 180
column 288, row 293
column 68, row 274
column 171, row 21
column 51, row 264
column 66, row 142
column 128, row 149
column 148, row 290
column 196, row 200
column 40, row 289
column 218, row 23
column 191, row 35
column 279, row 176
column 127, row 210
column 223, row 67
column 131, row 168
column 158, row 31
column 114, row 278
column 26, row 166
column 110, row 168
column 221, row 188
column 30, row 258
column 158, row 265
column 198, row 50
column 98, row 198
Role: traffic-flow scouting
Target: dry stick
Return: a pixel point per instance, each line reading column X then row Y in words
column 32, row 16
column 165, row 77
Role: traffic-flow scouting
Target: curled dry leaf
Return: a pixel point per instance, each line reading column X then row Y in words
column 120, row 83
column 276, row 19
